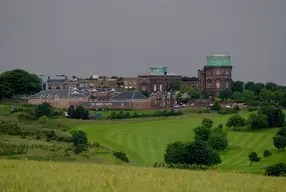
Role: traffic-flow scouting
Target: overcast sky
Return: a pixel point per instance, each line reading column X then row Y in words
column 125, row 37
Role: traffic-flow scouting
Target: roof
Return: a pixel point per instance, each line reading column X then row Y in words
column 129, row 95
column 56, row 81
column 59, row 93
column 103, row 90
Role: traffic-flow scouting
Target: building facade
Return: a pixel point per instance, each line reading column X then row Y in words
column 216, row 76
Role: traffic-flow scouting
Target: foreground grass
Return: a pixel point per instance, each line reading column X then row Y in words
column 50, row 176
column 145, row 141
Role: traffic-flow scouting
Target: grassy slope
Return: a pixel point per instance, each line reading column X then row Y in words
column 145, row 141
column 50, row 176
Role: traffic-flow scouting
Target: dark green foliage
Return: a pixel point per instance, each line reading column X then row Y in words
column 175, row 153
column 81, row 113
column 236, row 108
column 71, row 112
column 19, row 82
column 267, row 153
column 277, row 170
column 13, row 149
column 198, row 152
column 44, row 109
column 121, row 155
column 204, row 111
column 237, row 86
column 202, row 132
column 127, row 115
column 257, row 121
column 220, row 126
column 251, row 109
column 253, row 157
column 225, row 95
column 227, row 111
column 275, row 115
column 236, row 122
column 279, row 142
column 218, row 141
column 282, row 132
column 216, row 107
column 207, row 122
column 10, row 128
column 80, row 141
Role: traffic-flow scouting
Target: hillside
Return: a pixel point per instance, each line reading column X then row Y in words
column 50, row 176
column 145, row 141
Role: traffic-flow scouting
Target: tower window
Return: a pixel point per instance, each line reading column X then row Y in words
column 217, row 72
column 218, row 85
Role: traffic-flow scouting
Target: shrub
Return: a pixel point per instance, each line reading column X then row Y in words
column 251, row 109
column 216, row 107
column 80, row 141
column 267, row 153
column 236, row 122
column 175, row 153
column 10, row 128
column 275, row 115
column 257, row 121
column 204, row 111
column 121, row 155
column 277, row 170
column 44, row 109
column 218, row 141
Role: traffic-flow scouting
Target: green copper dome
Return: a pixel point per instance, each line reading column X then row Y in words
column 218, row 60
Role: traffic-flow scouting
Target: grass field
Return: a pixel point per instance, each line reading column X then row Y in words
column 51, row 176
column 145, row 141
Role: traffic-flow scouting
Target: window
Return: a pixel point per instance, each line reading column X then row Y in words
column 209, row 85
column 161, row 87
column 218, row 85
column 217, row 72
column 155, row 87
column 226, row 72
column 226, row 85
column 143, row 88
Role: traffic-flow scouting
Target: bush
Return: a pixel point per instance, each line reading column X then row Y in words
column 175, row 153
column 218, row 141
column 121, row 155
column 251, row 109
column 204, row 111
column 236, row 122
column 275, row 115
column 177, row 166
column 277, row 170
column 10, row 128
column 216, row 107
column 44, row 109
column 267, row 153
column 80, row 141
column 257, row 121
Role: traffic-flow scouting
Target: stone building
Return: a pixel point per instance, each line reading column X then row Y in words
column 215, row 77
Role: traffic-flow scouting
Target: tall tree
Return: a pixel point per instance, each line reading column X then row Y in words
column 250, row 86
column 237, row 86
column 18, row 82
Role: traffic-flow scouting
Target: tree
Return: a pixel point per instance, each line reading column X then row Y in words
column 198, row 152
column 247, row 95
column 175, row 85
column 257, row 87
column 80, row 141
column 81, row 113
column 44, row 109
column 216, row 107
column 250, row 86
column 275, row 115
column 216, row 160
column 236, row 122
column 266, row 153
column 279, row 142
column 202, row 133
column 271, row 86
column 237, row 86
column 237, row 96
column 19, row 82
column 71, row 112
column 277, row 170
column 225, row 95
column 207, row 122
column 175, row 153
column 282, row 132
column 218, row 141
column 257, row 121
column 253, row 157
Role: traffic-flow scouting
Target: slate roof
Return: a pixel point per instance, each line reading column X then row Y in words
column 56, row 81
column 59, row 93
column 103, row 90
column 129, row 95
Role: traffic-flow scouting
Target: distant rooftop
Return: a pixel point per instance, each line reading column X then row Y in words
column 218, row 60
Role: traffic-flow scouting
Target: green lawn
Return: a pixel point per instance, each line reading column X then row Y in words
column 145, row 141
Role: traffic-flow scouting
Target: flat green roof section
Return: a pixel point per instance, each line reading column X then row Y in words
column 218, row 61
